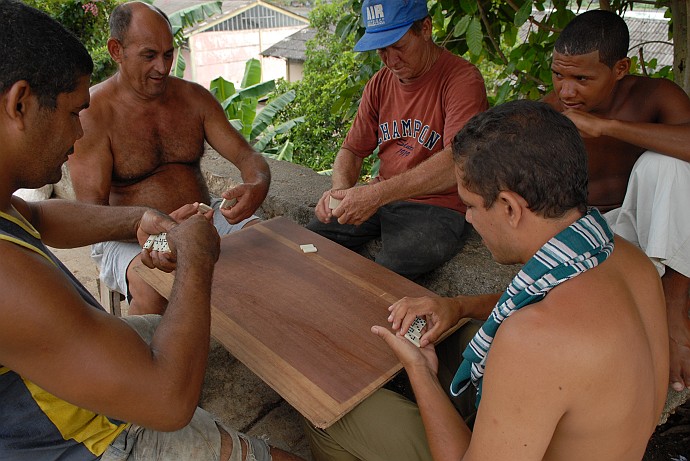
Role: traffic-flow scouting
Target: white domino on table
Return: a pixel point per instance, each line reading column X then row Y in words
column 414, row 333
column 308, row 248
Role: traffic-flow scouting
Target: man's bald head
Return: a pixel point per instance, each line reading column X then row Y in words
column 121, row 17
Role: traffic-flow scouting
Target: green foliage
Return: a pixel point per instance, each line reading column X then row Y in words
column 88, row 20
column 257, row 127
column 328, row 72
column 487, row 33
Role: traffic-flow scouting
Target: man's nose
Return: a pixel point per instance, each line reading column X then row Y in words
column 567, row 90
column 161, row 66
column 80, row 130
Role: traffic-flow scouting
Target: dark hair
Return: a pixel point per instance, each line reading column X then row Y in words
column 595, row 30
column 416, row 26
column 36, row 48
column 121, row 17
column 528, row 148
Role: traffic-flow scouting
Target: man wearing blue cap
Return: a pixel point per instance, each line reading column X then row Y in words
column 410, row 111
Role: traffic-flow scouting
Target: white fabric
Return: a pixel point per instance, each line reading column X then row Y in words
column 656, row 211
column 35, row 195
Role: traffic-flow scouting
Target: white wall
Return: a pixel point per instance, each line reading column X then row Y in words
column 225, row 53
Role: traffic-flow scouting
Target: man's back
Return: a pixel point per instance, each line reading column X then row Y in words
column 591, row 360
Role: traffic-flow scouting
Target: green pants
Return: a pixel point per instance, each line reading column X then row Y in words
column 387, row 426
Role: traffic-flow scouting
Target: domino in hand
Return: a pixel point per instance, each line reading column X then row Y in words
column 228, row 203
column 333, row 202
column 157, row 242
column 415, row 331
column 203, row 208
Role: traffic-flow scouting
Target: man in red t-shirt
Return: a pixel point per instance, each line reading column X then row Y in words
column 410, row 110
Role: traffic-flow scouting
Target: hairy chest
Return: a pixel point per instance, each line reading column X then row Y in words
column 143, row 144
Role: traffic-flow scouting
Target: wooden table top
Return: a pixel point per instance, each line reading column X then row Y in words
column 301, row 321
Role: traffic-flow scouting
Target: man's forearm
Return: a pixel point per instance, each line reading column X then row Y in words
column 671, row 140
column 346, row 169
column 446, row 432
column 70, row 224
column 184, row 331
column 255, row 170
column 477, row 307
column 433, row 176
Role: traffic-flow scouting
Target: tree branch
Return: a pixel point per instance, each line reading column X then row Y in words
column 498, row 48
column 487, row 26
column 539, row 24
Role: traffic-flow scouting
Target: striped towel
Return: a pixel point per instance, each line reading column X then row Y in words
column 581, row 246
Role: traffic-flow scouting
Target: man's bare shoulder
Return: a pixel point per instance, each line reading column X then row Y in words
column 552, row 100
column 103, row 99
column 191, row 92
column 598, row 295
column 646, row 99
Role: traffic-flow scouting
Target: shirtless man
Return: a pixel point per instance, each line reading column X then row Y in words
column 75, row 382
column 621, row 116
column 548, row 380
column 637, row 132
column 143, row 140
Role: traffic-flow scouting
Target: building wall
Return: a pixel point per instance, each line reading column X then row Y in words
column 214, row 54
column 295, row 70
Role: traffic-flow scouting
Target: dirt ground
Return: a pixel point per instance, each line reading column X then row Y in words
column 671, row 441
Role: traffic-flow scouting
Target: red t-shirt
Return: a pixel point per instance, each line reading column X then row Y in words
column 411, row 122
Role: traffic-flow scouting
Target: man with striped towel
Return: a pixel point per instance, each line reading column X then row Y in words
column 572, row 362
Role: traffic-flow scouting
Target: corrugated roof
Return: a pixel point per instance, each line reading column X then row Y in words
column 293, row 47
column 229, row 8
column 171, row 6
column 652, row 34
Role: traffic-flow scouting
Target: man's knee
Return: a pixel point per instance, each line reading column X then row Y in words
column 349, row 236
column 142, row 297
column 413, row 259
column 365, row 433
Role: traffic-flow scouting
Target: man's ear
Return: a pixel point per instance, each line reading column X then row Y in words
column 15, row 103
column 513, row 207
column 622, row 68
column 427, row 28
column 115, row 49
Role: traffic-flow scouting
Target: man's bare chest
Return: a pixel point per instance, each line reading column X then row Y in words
column 141, row 145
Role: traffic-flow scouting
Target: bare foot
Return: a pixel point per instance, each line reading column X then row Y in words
column 676, row 290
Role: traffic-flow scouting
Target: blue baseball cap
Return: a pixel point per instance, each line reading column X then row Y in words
column 386, row 21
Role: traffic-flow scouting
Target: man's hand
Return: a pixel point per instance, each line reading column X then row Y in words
column 590, row 126
column 195, row 240
column 323, row 210
column 411, row 356
column 357, row 204
column 165, row 261
column 441, row 314
column 154, row 222
column 190, row 209
column 249, row 198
